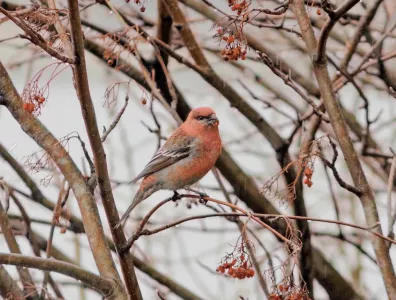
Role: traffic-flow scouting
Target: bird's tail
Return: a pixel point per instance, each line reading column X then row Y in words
column 139, row 197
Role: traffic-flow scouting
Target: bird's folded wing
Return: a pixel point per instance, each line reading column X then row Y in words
column 175, row 149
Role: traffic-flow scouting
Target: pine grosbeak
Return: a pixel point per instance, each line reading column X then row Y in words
column 186, row 157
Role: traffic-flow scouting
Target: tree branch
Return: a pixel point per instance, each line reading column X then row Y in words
column 325, row 32
column 287, row 80
column 88, row 112
column 107, row 287
column 116, row 120
column 391, row 212
column 351, row 157
column 9, row 289
column 29, row 287
column 36, row 193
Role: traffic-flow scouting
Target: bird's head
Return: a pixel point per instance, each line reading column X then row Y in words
column 203, row 117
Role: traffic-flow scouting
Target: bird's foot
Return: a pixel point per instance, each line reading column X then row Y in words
column 201, row 195
column 176, row 196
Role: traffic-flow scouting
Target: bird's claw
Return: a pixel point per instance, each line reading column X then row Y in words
column 202, row 197
column 176, row 196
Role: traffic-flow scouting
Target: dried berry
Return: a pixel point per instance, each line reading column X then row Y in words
column 29, row 107
column 308, row 171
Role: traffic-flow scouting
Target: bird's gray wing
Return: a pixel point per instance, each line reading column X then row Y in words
column 176, row 148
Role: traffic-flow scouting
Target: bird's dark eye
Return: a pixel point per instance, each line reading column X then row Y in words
column 201, row 118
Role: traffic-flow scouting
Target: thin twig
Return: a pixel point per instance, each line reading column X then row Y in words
column 116, row 120
column 32, row 238
column 288, row 81
column 343, row 238
column 62, row 197
column 331, row 165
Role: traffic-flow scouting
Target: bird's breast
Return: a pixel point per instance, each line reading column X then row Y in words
column 200, row 161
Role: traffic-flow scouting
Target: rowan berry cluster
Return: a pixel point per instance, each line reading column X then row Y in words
column 289, row 292
column 235, row 47
column 110, row 56
column 34, row 103
column 241, row 272
column 232, row 33
column 293, row 296
column 239, row 6
column 237, row 264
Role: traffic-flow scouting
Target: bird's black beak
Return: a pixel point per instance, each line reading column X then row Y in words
column 213, row 120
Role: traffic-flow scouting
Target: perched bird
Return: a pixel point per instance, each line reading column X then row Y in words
column 186, row 157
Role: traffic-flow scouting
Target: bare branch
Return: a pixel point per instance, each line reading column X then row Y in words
column 116, row 120
column 107, row 287
column 36, row 39
column 25, row 277
column 288, row 81
column 351, row 157
column 88, row 112
column 8, row 287
column 334, row 16
column 358, row 192
column 391, row 212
